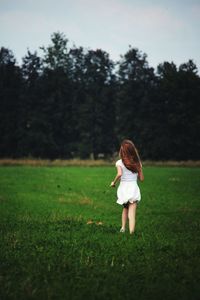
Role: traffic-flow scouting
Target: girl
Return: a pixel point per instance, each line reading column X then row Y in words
column 129, row 169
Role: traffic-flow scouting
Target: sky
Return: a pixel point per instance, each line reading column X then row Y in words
column 166, row 30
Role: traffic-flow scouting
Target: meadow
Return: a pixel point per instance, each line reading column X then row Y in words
column 60, row 235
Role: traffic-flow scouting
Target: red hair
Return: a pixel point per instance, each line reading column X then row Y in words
column 130, row 156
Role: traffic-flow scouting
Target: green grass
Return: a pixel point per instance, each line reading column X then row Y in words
column 48, row 251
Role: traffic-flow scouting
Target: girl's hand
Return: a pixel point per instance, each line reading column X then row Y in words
column 112, row 184
column 140, row 175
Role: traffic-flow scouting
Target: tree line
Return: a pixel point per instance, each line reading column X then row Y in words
column 77, row 102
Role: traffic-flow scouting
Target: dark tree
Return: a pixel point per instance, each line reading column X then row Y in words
column 136, row 83
column 56, row 55
column 57, row 96
column 10, row 86
column 97, row 113
column 33, row 130
column 179, row 95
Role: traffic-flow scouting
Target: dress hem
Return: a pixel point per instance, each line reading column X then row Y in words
column 129, row 200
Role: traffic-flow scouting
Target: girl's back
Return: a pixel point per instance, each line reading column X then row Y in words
column 127, row 175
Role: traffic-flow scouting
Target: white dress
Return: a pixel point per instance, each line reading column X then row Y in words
column 128, row 190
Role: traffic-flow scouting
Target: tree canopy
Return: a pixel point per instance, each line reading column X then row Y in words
column 77, row 102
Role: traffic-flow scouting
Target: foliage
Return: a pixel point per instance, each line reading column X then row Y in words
column 75, row 102
column 10, row 89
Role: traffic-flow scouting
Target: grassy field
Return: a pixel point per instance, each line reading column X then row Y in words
column 60, row 235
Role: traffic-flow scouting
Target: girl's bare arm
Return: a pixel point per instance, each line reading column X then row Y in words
column 140, row 174
column 118, row 176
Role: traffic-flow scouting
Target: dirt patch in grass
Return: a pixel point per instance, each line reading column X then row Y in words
column 3, row 199
column 82, row 201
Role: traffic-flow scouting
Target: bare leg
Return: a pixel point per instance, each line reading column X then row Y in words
column 124, row 217
column 131, row 215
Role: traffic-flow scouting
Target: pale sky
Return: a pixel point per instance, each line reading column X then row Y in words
column 166, row 30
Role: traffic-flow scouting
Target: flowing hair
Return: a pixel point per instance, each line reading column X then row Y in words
column 130, row 156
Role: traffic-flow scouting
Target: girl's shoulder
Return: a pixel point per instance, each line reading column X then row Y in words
column 119, row 163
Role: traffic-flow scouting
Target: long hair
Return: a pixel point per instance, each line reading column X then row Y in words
column 130, row 156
